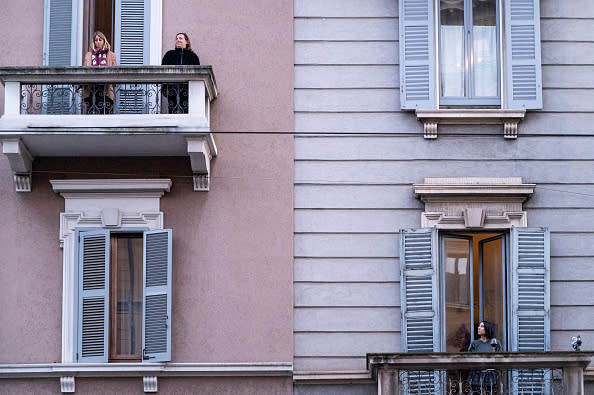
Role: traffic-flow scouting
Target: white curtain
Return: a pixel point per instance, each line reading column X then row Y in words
column 452, row 61
column 485, row 60
column 452, row 57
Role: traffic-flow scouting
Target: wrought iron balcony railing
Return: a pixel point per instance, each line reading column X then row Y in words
column 539, row 373
column 146, row 90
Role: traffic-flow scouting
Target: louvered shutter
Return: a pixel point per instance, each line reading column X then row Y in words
column 523, row 60
column 132, row 33
column 419, row 304
column 132, row 49
column 530, row 287
column 417, row 54
column 60, row 21
column 59, row 49
column 418, row 285
column 156, row 280
column 93, row 296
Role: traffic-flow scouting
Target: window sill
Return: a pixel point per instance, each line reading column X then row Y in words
column 508, row 118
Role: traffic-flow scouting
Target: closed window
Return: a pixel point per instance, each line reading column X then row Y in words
column 468, row 52
column 451, row 54
column 124, row 296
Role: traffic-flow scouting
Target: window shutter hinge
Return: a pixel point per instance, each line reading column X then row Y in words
column 144, row 356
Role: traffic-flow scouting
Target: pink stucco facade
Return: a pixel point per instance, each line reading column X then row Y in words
column 232, row 246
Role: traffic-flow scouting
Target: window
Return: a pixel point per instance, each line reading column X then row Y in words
column 451, row 281
column 472, row 267
column 124, row 296
column 456, row 59
column 468, row 52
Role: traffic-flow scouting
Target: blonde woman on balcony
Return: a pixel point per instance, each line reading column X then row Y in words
column 99, row 98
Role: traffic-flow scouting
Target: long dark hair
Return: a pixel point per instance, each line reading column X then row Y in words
column 490, row 329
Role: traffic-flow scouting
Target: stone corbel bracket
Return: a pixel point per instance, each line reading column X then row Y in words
column 21, row 163
column 67, row 384
column 201, row 151
column 432, row 118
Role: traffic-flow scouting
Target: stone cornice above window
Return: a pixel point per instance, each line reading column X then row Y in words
column 474, row 202
column 160, row 186
column 454, row 116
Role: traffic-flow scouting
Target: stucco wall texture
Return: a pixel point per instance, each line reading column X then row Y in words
column 232, row 246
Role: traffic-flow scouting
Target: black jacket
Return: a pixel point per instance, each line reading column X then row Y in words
column 181, row 56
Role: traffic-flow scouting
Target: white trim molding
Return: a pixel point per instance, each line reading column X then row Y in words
column 139, row 369
column 148, row 371
column 474, row 202
column 432, row 118
column 121, row 203
column 328, row 377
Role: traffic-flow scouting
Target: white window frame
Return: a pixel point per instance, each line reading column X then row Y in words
column 465, row 101
column 111, row 204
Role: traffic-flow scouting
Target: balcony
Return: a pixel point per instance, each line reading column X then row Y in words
column 107, row 112
column 476, row 373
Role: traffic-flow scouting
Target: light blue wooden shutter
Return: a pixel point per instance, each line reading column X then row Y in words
column 156, row 280
column 523, row 61
column 418, row 287
column 59, row 48
column 417, row 54
column 93, row 296
column 419, row 304
column 132, row 49
column 530, row 287
column 131, row 32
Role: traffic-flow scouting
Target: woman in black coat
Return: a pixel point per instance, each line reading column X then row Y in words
column 177, row 94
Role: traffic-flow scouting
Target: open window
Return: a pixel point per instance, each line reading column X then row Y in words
column 473, row 268
column 451, row 281
column 133, row 27
column 124, row 296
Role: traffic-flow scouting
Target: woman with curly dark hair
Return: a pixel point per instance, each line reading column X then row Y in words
column 484, row 379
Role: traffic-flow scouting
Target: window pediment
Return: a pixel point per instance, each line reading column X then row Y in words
column 473, row 202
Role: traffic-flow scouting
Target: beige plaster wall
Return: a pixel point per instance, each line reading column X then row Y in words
column 250, row 46
column 232, row 298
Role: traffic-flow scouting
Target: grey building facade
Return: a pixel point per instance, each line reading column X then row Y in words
column 402, row 133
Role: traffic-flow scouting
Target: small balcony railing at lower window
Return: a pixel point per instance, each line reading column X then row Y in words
column 482, row 381
column 525, row 373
